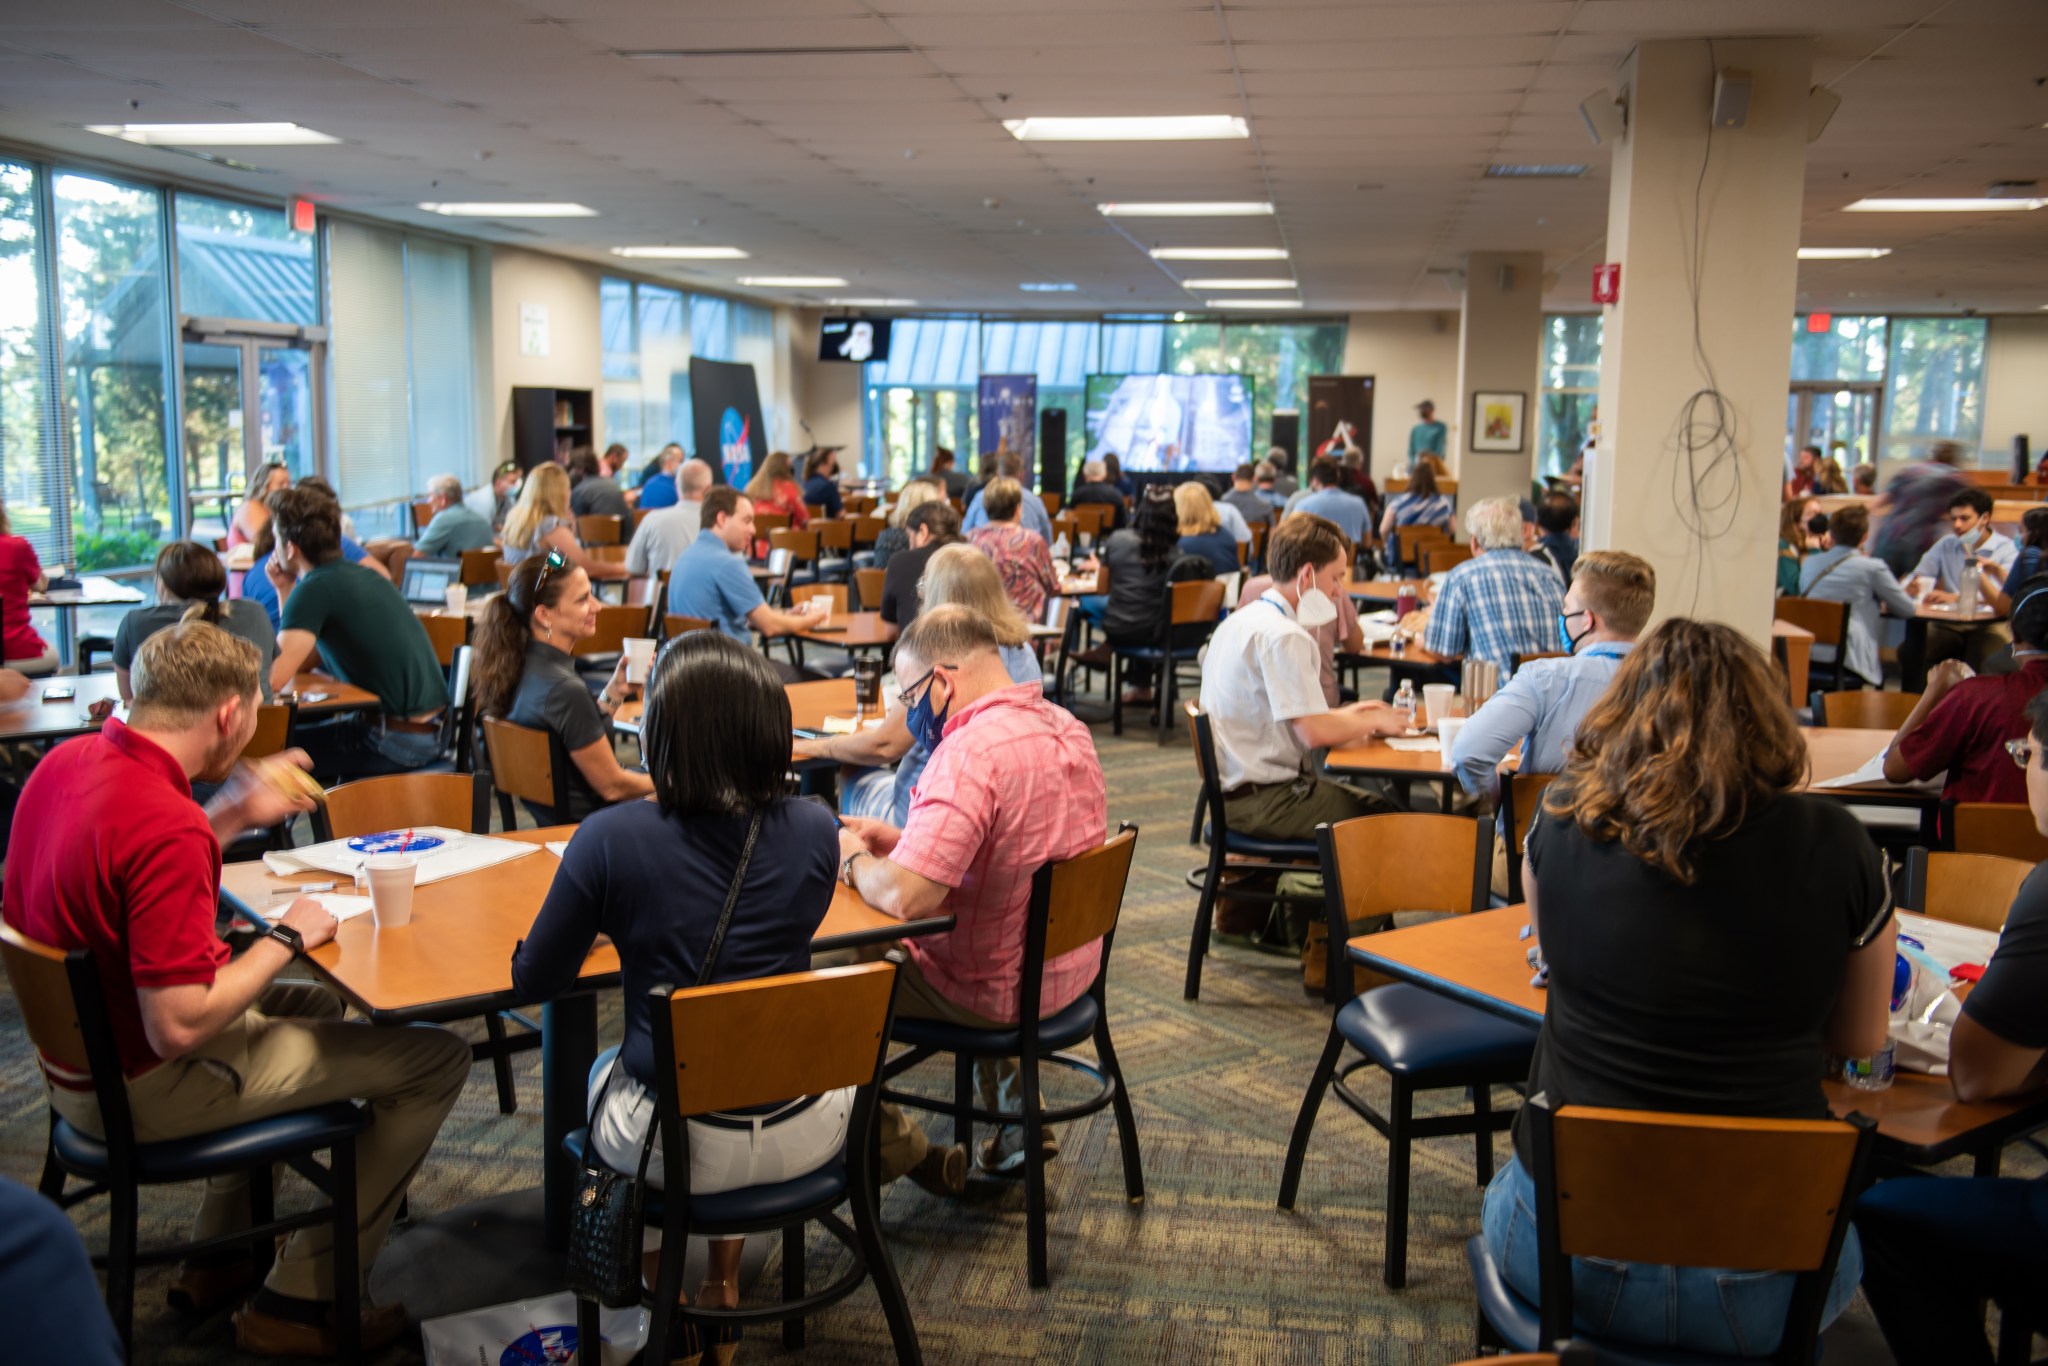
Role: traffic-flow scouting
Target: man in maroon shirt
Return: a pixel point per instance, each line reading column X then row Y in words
column 112, row 855
column 1961, row 723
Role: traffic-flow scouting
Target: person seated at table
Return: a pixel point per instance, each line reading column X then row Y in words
column 665, row 533
column 1343, row 632
column 1829, row 478
column 1031, row 508
column 21, row 574
column 1935, row 1247
column 947, row 474
column 113, row 856
column 1012, row 784
column 524, row 674
column 821, row 481
column 1962, row 722
column 894, row 539
column 1020, row 556
column 253, row 513
column 1557, row 525
column 1502, row 602
column 932, row 526
column 256, row 584
column 1252, row 506
column 1540, row 708
column 1843, row 573
column 957, row 574
column 1915, row 505
column 1201, row 530
column 454, row 526
column 190, row 578
column 1972, row 547
column 1675, row 847
column 1804, row 480
column 774, row 489
column 658, row 489
column 366, row 634
column 1113, row 471
column 493, row 498
column 1266, row 706
column 1142, row 560
column 710, row 579
column 1793, row 542
column 1419, row 505
column 1095, row 487
column 654, row 876
column 1863, row 478
column 2030, row 559
column 541, row 521
column 1326, row 497
column 593, row 493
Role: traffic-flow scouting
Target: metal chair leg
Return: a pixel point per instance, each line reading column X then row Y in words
column 1034, row 1174
column 1482, row 1119
column 501, row 1064
column 262, row 1209
column 1305, row 1121
column 1126, row 1121
column 348, row 1272
column 1400, row 1110
column 963, row 1103
column 882, row 1267
column 1205, row 914
column 121, row 1220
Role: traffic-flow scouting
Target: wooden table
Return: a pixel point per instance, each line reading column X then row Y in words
column 809, row 705
column 94, row 590
column 333, row 695
column 852, row 632
column 1480, row 959
column 454, row 962
column 1386, row 591
column 1913, row 649
column 33, row 720
column 1833, row 752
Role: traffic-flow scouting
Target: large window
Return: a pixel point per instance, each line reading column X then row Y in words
column 1571, row 389
column 649, row 334
column 31, row 473
column 242, row 261
column 1935, row 386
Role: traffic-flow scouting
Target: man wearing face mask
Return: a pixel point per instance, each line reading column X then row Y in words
column 1262, row 689
column 1970, row 549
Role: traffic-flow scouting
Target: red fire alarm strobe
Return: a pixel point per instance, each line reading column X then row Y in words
column 1607, row 283
column 302, row 215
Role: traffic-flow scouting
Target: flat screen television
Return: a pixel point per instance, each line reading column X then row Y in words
column 1171, row 424
column 853, row 339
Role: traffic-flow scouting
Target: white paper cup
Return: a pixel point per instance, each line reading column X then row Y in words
column 1436, row 701
column 391, row 878
column 457, row 597
column 1447, row 736
column 639, row 658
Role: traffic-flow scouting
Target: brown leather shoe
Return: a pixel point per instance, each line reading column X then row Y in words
column 268, row 1335
column 942, row 1171
column 203, row 1287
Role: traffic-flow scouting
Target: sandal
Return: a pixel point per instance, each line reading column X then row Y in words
column 722, row 1340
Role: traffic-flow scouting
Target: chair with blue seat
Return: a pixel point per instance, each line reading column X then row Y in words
column 1679, row 1190
column 1229, row 852
column 1074, row 903
column 1192, row 610
column 736, row 1046
column 1423, row 1041
column 64, row 1009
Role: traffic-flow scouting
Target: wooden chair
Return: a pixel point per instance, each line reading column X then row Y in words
column 1230, row 851
column 866, row 531
column 1052, row 503
column 1069, row 526
column 1515, row 661
column 1963, row 889
column 1093, row 519
column 530, row 765
column 859, row 504
column 480, row 568
column 422, row 513
column 803, row 554
column 1257, row 562
column 1074, row 903
column 1438, row 558
column 1684, row 1190
column 673, row 625
column 607, row 554
column 447, row 635
column 1863, row 708
column 273, row 731
column 1193, row 610
column 599, row 529
column 2005, row 829
column 64, row 1009
column 504, row 573
column 835, row 548
column 768, row 523
column 737, row 1045
column 1422, row 1040
column 615, row 622
column 368, row 806
column 815, row 512
column 1827, row 621
column 867, row 588
column 1519, row 795
column 836, row 592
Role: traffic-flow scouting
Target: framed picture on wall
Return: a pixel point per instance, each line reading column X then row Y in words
column 1498, row 418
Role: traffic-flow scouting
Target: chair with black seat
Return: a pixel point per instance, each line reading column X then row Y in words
column 803, row 555
column 1962, row 889
column 273, row 735
column 531, row 765
column 867, row 588
column 739, row 1045
column 1439, row 559
column 1422, row 1040
column 64, row 1008
column 480, row 567
column 1229, row 852
column 1679, row 1190
column 597, row 528
column 1192, row 611
column 1074, row 903
column 1863, row 708
column 422, row 514
column 835, row 548
column 1516, row 661
column 2006, row 829
column 1828, row 622
column 1519, row 794
column 675, row 624
column 834, row 593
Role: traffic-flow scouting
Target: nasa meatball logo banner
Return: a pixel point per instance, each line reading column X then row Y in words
column 1008, row 406
column 725, row 409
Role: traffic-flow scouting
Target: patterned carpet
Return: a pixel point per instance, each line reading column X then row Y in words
column 1205, row 1270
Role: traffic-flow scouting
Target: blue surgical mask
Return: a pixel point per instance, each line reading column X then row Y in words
column 1566, row 641
column 925, row 725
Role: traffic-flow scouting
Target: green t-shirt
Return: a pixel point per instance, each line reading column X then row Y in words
column 368, row 636
column 454, row 529
column 1426, row 436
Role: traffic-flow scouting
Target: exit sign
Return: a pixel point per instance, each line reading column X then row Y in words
column 1607, row 283
column 302, row 215
column 1820, row 322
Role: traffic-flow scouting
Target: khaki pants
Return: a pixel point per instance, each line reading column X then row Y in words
column 292, row 1050
column 1971, row 644
column 1292, row 811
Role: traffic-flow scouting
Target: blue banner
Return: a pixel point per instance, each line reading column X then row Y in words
column 1008, row 407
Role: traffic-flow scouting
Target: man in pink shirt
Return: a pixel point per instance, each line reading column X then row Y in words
column 1013, row 783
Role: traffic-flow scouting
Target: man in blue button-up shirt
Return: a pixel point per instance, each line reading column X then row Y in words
column 1605, row 609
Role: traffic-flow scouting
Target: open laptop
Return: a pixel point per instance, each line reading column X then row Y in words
column 427, row 581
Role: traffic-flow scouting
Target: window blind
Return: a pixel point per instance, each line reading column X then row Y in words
column 443, row 417
column 372, row 402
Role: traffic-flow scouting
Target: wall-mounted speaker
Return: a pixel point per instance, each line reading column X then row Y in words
column 1052, row 451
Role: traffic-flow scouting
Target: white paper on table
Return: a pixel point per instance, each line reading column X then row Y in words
column 459, row 853
column 340, row 905
column 1872, row 775
column 558, row 847
column 1421, row 744
column 1376, row 632
column 847, row 725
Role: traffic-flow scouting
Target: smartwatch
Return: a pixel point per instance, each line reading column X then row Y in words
column 287, row 936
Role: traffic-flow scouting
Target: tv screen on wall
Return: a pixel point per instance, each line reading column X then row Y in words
column 1171, row 424
column 853, row 339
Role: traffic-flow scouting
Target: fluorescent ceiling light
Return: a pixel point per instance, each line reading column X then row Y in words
column 682, row 253
column 841, row 50
column 1537, row 171
column 1253, row 303
column 1238, row 284
column 1221, row 209
column 1047, row 287
column 1168, row 128
column 871, row 303
column 1940, row 205
column 534, row 209
column 1219, row 253
column 1843, row 253
column 793, row 281
column 211, row 134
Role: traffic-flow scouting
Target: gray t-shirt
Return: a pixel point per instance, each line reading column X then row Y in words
column 552, row 696
column 516, row 553
column 598, row 496
column 238, row 617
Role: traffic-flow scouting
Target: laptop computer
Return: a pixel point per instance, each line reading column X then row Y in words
column 427, row 581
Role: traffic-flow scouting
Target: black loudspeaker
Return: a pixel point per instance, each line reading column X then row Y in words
column 1052, row 451
column 1286, row 434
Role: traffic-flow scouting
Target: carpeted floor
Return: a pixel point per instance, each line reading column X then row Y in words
column 1206, row 1269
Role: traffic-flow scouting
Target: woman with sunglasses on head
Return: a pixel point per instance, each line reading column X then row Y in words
column 656, row 877
column 525, row 675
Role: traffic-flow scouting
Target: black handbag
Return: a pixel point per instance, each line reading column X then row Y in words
column 604, row 1221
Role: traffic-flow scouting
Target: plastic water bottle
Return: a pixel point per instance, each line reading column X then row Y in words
column 1060, row 549
column 1404, row 701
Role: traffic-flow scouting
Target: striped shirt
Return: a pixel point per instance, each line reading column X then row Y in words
column 1494, row 607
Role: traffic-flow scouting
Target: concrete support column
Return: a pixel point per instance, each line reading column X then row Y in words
column 1696, row 357
column 1500, row 346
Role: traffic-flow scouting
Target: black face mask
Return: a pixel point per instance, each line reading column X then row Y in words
column 1817, row 525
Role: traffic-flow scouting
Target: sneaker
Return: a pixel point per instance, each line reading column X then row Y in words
column 942, row 1171
column 1003, row 1155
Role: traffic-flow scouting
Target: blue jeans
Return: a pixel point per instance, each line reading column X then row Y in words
column 1940, row 1244
column 1092, row 606
column 1702, row 1309
column 361, row 747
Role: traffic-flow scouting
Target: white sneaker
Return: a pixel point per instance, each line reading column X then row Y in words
column 1003, row 1155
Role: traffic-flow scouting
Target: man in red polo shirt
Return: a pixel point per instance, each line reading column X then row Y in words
column 1012, row 784
column 112, row 855
column 1961, row 723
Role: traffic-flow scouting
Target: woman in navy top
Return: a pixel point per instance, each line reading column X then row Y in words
column 1201, row 530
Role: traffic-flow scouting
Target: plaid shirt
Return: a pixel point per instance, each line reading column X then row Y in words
column 1013, row 784
column 1500, row 604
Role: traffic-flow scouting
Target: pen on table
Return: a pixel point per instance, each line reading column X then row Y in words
column 303, row 889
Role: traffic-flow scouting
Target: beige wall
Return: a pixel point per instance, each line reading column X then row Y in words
column 826, row 395
column 568, row 289
column 1411, row 357
column 2015, row 386
column 1500, row 346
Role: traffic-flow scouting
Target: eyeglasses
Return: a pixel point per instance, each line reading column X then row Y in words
column 2022, row 751
column 555, row 560
column 911, row 691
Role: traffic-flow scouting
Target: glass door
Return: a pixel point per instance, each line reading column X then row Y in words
column 1841, row 419
column 251, row 398
column 216, row 466
column 285, row 407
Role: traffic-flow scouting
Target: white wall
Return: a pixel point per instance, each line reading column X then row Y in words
column 826, row 395
column 568, row 290
column 2015, row 385
column 1411, row 357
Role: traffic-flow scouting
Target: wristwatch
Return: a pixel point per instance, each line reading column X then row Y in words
column 846, row 866
column 289, row 937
